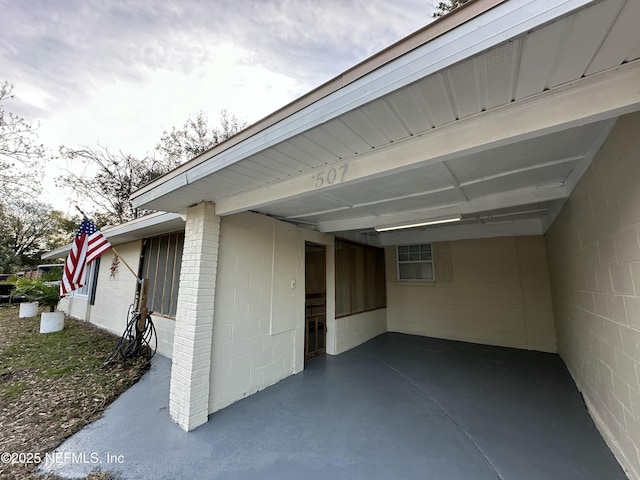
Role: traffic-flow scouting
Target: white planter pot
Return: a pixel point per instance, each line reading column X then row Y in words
column 51, row 322
column 28, row 310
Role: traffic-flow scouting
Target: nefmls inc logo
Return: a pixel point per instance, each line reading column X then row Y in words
column 65, row 458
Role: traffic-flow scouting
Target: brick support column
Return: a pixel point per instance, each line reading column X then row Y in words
column 189, row 392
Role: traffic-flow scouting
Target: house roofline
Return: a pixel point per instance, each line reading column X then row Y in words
column 130, row 227
column 438, row 27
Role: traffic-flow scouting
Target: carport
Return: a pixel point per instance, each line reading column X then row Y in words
column 504, row 132
column 399, row 406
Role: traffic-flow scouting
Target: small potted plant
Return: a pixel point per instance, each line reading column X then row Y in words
column 46, row 293
column 25, row 287
column 48, row 297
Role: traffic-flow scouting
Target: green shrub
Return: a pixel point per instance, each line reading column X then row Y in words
column 41, row 290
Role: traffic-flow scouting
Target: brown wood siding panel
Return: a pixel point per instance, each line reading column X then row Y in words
column 360, row 278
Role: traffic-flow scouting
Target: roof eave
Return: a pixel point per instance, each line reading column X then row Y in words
column 131, row 227
column 431, row 31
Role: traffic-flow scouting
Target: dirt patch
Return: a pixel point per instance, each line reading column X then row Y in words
column 52, row 385
column 10, row 329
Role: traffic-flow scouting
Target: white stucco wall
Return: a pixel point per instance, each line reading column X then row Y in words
column 258, row 328
column 594, row 264
column 492, row 291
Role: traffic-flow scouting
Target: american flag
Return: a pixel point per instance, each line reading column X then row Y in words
column 88, row 244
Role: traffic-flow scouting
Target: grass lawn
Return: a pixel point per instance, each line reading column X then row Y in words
column 52, row 385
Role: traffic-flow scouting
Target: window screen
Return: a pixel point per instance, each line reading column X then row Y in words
column 161, row 262
column 360, row 278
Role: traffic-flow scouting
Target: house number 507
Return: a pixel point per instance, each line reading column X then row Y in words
column 330, row 176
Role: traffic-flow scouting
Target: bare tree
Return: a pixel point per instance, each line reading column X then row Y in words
column 19, row 149
column 116, row 177
column 196, row 136
column 447, row 6
column 108, row 179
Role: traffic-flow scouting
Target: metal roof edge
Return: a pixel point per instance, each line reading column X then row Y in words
column 150, row 220
column 438, row 27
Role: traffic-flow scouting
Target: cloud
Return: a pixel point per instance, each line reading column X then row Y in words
column 318, row 40
column 67, row 47
column 118, row 72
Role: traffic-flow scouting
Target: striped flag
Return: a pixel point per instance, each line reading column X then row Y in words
column 88, row 244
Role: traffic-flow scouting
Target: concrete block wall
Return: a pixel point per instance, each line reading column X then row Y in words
column 258, row 329
column 594, row 263
column 76, row 306
column 496, row 292
column 165, row 329
column 356, row 329
column 114, row 294
column 246, row 356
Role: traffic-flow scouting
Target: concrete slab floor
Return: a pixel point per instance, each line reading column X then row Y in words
column 399, row 406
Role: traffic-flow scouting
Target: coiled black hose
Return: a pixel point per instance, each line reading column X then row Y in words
column 133, row 343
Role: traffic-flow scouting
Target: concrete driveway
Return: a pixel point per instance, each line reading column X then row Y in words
column 399, row 406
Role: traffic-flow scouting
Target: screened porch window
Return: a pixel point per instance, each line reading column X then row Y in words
column 415, row 262
column 360, row 278
column 162, row 257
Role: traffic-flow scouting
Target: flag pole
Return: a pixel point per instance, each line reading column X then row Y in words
column 126, row 264
column 116, row 252
column 142, row 292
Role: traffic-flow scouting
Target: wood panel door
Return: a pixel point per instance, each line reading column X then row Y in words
column 315, row 338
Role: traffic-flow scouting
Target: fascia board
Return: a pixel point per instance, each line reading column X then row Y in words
column 141, row 223
column 160, row 190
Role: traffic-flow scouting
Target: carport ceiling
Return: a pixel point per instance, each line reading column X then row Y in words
column 500, row 137
column 480, row 186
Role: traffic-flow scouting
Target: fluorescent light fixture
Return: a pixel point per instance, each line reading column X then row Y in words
column 457, row 218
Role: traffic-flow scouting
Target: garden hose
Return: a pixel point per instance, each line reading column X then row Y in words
column 134, row 343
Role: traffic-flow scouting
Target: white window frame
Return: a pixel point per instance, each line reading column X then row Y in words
column 85, row 290
column 420, row 260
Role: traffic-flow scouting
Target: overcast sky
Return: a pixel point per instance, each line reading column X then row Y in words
column 119, row 72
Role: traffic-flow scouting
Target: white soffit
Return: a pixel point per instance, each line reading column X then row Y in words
column 500, row 24
column 511, row 126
